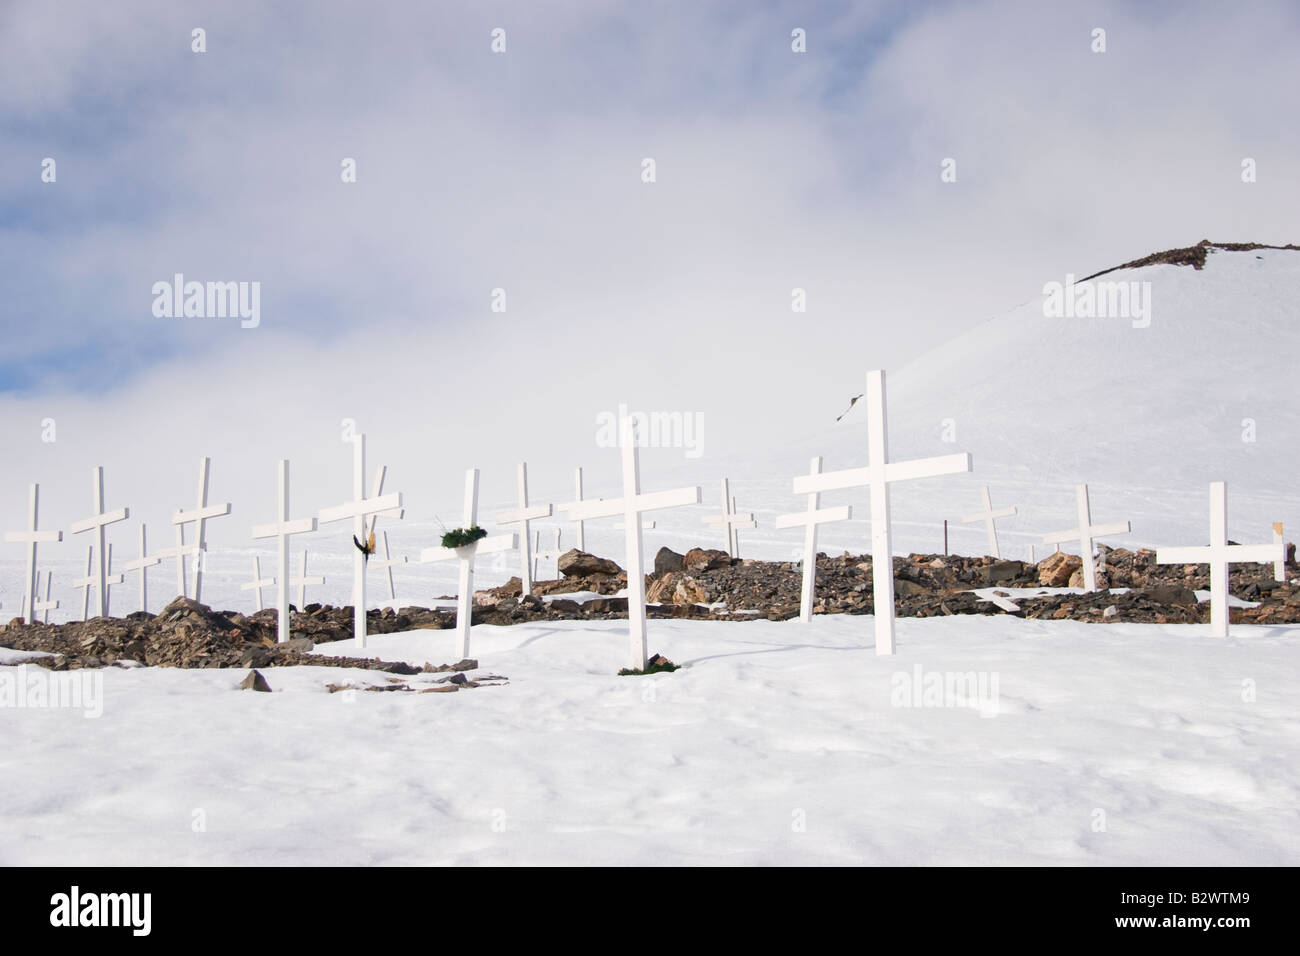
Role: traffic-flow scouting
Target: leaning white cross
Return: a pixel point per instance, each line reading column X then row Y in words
column 878, row 476
column 729, row 522
column 199, row 517
column 1219, row 555
column 31, row 537
column 387, row 563
column 631, row 506
column 465, row 554
column 97, row 523
column 989, row 516
column 522, row 515
column 300, row 582
column 142, row 564
column 258, row 582
column 809, row 520
column 91, row 582
column 46, row 605
column 1085, row 533
column 359, row 510
column 281, row 529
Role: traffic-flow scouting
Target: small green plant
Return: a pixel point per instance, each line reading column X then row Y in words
column 656, row 665
column 459, row 537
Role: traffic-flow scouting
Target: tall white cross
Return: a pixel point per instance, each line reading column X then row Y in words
column 31, row 537
column 1279, row 566
column 729, row 521
column 465, row 555
column 359, row 510
column 387, row 563
column 258, row 582
column 1085, row 533
column 989, row 516
column 142, row 564
column 91, row 582
column 300, row 582
column 179, row 551
column 878, row 476
column 46, row 605
column 631, row 506
column 809, row 520
column 577, row 499
column 96, row 523
column 281, row 529
column 522, row 515
column 1219, row 555
column 199, row 517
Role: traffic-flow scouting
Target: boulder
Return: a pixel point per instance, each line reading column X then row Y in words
column 575, row 563
column 1054, row 570
column 705, row 559
column 668, row 560
column 1076, row 577
column 255, row 681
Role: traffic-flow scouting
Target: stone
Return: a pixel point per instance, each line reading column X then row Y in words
column 667, row 560
column 705, row 559
column 1054, row 571
column 575, row 563
column 1173, row 594
column 690, row 591
column 255, row 681
column 1002, row 572
column 1079, row 578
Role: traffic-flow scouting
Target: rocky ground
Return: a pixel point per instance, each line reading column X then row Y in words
column 702, row 584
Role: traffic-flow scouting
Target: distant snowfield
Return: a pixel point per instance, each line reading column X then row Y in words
column 778, row 743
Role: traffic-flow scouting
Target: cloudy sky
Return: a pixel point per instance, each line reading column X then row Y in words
column 523, row 171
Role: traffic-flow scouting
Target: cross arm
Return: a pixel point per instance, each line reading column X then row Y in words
column 820, row 516
column 32, row 537
column 109, row 517
column 298, row 526
column 359, row 509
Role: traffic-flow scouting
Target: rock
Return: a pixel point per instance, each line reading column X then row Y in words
column 1002, row 572
column 575, row 563
column 667, row 560
column 689, row 591
column 302, row 644
column 1054, row 570
column 458, row 679
column 1111, row 611
column 705, row 559
column 660, row 590
column 485, row 599
column 1076, row 577
column 255, row 681
column 1173, row 594
column 466, row 664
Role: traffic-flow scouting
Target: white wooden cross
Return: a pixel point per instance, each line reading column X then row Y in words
column 1085, row 534
column 199, row 517
column 465, row 555
column 91, row 582
column 809, row 520
column 46, row 605
column 300, row 582
column 989, row 516
column 878, row 476
column 522, row 515
column 359, row 510
column 387, row 563
column 179, row 551
column 281, row 529
column 631, row 506
column 729, row 521
column 1219, row 555
column 31, row 537
column 96, row 523
column 258, row 582
column 577, row 484
column 551, row 554
column 142, row 564
column 1279, row 566
column 622, row 525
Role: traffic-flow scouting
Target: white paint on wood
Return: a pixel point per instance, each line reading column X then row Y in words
column 577, row 499
column 99, row 578
column 878, row 476
column 300, row 582
column 523, row 515
column 386, row 564
column 989, row 517
column 631, row 506
column 32, row 537
column 729, row 521
column 142, row 564
column 282, row 529
column 258, row 582
column 97, row 522
column 199, row 517
column 45, row 606
column 810, row 520
column 1086, row 533
column 1219, row 555
column 1279, row 566
column 466, row 555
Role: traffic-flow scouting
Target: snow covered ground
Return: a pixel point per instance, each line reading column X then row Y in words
column 777, row 743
